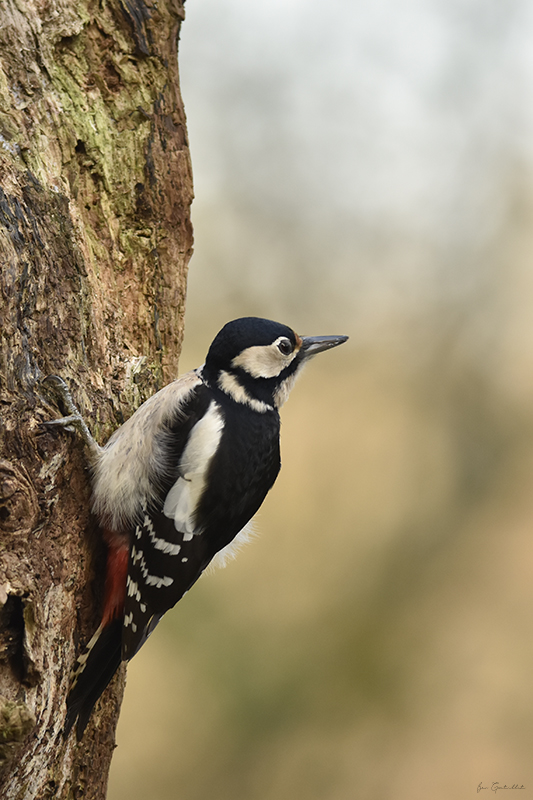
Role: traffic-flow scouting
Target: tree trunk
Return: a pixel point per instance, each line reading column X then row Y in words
column 95, row 239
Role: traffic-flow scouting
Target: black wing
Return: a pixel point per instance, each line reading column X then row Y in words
column 164, row 564
column 165, row 560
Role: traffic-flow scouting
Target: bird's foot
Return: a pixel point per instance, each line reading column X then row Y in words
column 73, row 420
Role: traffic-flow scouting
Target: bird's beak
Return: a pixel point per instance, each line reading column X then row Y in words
column 311, row 345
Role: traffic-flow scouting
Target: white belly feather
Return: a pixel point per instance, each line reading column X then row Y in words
column 182, row 499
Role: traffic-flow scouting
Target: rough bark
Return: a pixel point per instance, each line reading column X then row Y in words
column 95, row 239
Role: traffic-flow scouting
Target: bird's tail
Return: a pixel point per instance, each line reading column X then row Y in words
column 95, row 668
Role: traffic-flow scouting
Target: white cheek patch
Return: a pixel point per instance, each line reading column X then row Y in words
column 264, row 361
column 183, row 498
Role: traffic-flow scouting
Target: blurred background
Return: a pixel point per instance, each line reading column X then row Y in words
column 365, row 169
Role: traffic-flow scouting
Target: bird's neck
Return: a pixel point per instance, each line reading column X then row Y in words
column 241, row 388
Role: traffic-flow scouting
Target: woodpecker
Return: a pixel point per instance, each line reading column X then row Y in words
column 175, row 486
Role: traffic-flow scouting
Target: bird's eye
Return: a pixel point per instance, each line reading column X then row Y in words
column 285, row 347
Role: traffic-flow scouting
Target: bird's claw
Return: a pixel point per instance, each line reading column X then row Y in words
column 73, row 420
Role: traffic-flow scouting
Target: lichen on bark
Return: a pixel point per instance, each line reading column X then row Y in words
column 95, row 238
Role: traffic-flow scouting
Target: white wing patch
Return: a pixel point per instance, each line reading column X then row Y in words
column 182, row 500
column 179, row 506
column 127, row 468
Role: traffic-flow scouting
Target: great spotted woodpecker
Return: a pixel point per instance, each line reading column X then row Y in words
column 175, row 486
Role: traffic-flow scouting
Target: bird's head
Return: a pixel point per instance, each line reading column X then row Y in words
column 255, row 361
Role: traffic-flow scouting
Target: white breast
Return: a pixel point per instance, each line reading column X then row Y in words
column 231, row 550
column 182, row 500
